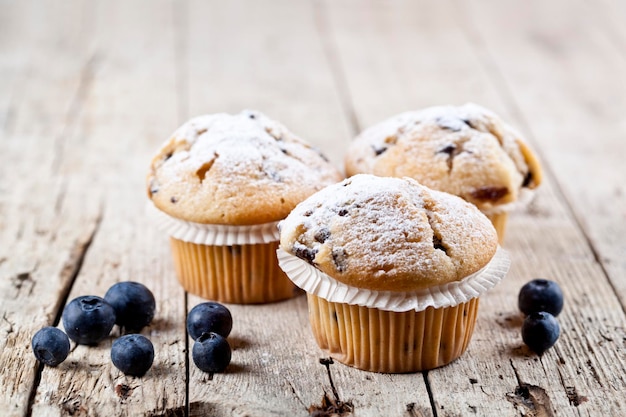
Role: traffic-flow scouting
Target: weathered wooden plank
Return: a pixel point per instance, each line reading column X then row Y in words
column 389, row 54
column 246, row 54
column 280, row 68
column 406, row 49
column 39, row 250
column 276, row 370
column 121, row 118
column 577, row 95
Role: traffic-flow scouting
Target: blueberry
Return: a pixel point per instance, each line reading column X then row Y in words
column 50, row 346
column 88, row 319
column 132, row 354
column 133, row 303
column 541, row 295
column 209, row 317
column 211, row 352
column 540, row 331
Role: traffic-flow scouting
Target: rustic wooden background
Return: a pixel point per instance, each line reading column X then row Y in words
column 89, row 90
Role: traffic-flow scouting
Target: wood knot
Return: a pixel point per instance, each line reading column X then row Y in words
column 533, row 399
column 123, row 391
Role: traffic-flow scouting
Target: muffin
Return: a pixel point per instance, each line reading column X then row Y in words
column 393, row 271
column 467, row 151
column 218, row 187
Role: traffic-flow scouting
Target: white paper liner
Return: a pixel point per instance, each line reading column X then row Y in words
column 524, row 197
column 314, row 281
column 214, row 234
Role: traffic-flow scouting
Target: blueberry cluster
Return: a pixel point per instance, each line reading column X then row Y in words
column 208, row 324
column 541, row 300
column 89, row 319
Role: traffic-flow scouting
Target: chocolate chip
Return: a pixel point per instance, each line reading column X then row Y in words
column 252, row 116
column 154, row 188
column 168, row 156
column 438, row 244
column 340, row 259
column 308, row 213
column 304, row 252
column 527, row 179
column 468, row 122
column 449, row 149
column 342, row 212
column 322, row 235
column 489, row 193
column 379, row 150
column 173, row 199
column 452, row 150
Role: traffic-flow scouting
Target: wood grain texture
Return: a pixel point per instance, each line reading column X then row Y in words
column 572, row 103
column 544, row 240
column 89, row 90
column 244, row 54
column 39, row 249
column 121, row 118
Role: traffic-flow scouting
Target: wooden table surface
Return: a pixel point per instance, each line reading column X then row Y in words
column 89, row 90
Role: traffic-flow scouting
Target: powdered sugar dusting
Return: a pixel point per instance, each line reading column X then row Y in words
column 490, row 153
column 383, row 232
column 240, row 143
column 223, row 168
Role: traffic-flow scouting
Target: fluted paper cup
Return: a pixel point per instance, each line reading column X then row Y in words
column 398, row 332
column 230, row 264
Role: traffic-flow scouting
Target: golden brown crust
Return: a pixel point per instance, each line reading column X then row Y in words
column 235, row 169
column 467, row 151
column 389, row 234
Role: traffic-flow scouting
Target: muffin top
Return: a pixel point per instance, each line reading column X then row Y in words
column 235, row 169
column 467, row 151
column 389, row 234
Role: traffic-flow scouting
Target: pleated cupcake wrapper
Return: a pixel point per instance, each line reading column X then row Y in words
column 314, row 281
column 230, row 264
column 385, row 341
column 213, row 234
column 241, row 274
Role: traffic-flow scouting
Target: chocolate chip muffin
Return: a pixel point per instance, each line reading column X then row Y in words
column 467, row 151
column 392, row 269
column 218, row 187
